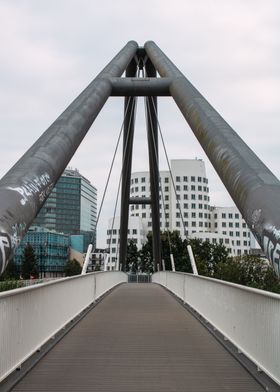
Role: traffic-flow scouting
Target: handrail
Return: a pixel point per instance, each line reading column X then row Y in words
column 247, row 317
column 30, row 316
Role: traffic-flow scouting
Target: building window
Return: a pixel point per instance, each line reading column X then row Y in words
column 143, row 179
column 186, row 206
column 193, row 197
column 166, row 189
column 166, row 197
column 177, row 214
column 166, row 180
column 237, row 233
column 230, row 216
column 223, row 216
column 185, row 197
column 193, row 224
column 236, row 224
column 186, row 215
column 230, row 224
column 193, row 205
column 199, row 197
column 136, row 180
column 178, row 188
column 178, row 178
column 193, row 187
column 185, row 178
column 236, row 216
column 185, row 187
column 244, row 234
column 231, row 233
column 178, row 224
column 143, row 214
column 192, row 179
column 199, row 179
column 200, row 206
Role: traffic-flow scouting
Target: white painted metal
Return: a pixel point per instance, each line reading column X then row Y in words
column 106, row 258
column 30, row 316
column 89, row 249
column 172, row 262
column 163, row 264
column 249, row 318
column 192, row 259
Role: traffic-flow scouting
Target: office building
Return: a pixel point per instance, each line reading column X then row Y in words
column 51, row 251
column 71, row 207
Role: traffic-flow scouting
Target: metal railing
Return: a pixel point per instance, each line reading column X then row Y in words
column 139, row 278
column 30, row 316
column 249, row 318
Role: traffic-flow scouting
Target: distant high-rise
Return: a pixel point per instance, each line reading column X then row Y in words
column 71, row 208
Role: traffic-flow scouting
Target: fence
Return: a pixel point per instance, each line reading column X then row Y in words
column 139, row 278
column 30, row 316
column 249, row 318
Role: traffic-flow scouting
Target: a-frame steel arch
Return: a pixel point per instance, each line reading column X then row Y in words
column 253, row 187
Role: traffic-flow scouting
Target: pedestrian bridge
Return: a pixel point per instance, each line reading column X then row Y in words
column 96, row 332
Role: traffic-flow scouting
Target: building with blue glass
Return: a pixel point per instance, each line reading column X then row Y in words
column 51, row 250
column 71, row 208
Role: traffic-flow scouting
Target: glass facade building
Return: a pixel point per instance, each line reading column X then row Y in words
column 51, row 250
column 71, row 208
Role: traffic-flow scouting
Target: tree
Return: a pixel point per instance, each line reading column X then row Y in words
column 29, row 267
column 208, row 256
column 146, row 256
column 249, row 270
column 72, row 267
column 132, row 257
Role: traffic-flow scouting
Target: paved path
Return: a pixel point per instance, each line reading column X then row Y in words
column 138, row 339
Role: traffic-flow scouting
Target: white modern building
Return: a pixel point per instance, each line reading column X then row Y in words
column 186, row 209
column 229, row 222
column 137, row 231
column 190, row 203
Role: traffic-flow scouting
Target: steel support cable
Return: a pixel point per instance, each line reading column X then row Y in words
column 110, row 172
column 125, row 149
column 171, row 175
column 157, row 161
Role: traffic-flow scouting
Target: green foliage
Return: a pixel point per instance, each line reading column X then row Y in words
column 208, row 256
column 72, row 268
column 132, row 257
column 10, row 285
column 29, row 267
column 146, row 256
column 251, row 271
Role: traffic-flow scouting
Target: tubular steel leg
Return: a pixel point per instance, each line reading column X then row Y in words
column 254, row 189
column 24, row 189
column 152, row 129
column 129, row 109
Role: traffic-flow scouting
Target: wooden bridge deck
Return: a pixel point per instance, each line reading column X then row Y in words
column 138, row 338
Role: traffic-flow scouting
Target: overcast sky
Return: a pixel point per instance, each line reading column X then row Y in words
column 51, row 50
